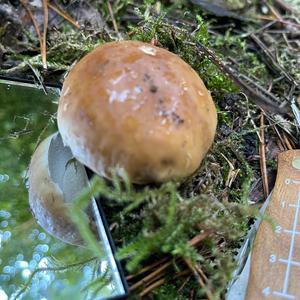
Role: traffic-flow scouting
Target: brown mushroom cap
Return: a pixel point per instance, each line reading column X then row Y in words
column 133, row 106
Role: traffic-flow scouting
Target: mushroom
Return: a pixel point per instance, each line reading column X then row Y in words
column 137, row 108
column 54, row 181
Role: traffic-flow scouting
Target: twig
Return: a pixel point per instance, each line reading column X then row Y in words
column 159, row 272
column 261, row 29
column 64, row 15
column 259, row 98
column 282, row 144
column 199, row 279
column 262, row 153
column 280, row 21
column 160, row 282
column 287, row 142
column 150, row 276
column 147, row 268
column 260, row 88
column 184, row 283
column 232, row 174
column 167, row 260
column 38, row 77
column 200, row 271
column 113, row 18
column 198, row 238
column 273, row 11
column 35, row 25
column 273, row 61
column 44, row 46
column 283, row 5
column 152, row 287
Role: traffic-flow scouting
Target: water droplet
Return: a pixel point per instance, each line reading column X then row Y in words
column 21, row 264
column 118, row 96
column 42, row 236
column 137, row 89
column 9, row 270
column 35, row 231
column 163, row 121
column 4, row 178
column 44, row 248
column 148, row 50
column 66, row 106
column 32, row 264
column 43, row 262
column 4, row 214
column 36, row 256
column 20, row 256
column 26, row 273
column 4, row 224
column 6, row 235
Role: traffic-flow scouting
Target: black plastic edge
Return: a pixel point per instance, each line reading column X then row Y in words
column 113, row 248
column 34, row 82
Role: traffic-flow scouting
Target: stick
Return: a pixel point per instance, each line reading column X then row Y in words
column 150, row 276
column 259, row 98
column 287, row 142
column 44, row 46
column 160, row 282
column 277, row 20
column 64, row 15
column 199, row 279
column 152, row 286
column 198, row 238
column 262, row 152
column 113, row 18
column 35, row 25
column 147, row 268
column 273, row 60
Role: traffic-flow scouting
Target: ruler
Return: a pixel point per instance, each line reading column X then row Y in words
column 275, row 258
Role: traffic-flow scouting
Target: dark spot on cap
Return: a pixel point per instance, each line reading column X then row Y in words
column 167, row 162
column 177, row 119
column 153, row 88
column 146, row 77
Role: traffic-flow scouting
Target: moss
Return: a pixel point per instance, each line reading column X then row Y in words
column 169, row 222
column 175, row 39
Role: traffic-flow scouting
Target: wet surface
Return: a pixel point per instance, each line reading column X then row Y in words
column 27, row 116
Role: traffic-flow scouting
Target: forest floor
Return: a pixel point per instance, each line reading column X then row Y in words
column 179, row 240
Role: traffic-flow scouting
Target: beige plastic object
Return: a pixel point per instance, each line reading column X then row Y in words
column 136, row 107
column 275, row 259
column 54, row 181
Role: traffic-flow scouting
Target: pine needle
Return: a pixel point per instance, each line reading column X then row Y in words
column 44, row 46
column 64, row 15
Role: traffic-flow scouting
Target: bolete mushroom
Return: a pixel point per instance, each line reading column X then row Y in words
column 132, row 106
column 54, row 181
